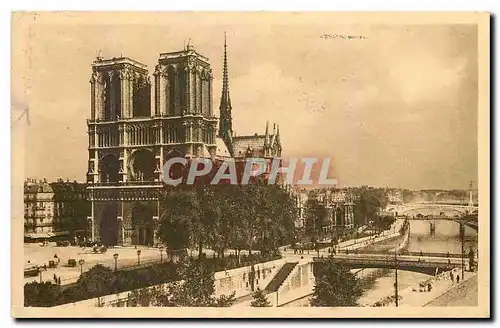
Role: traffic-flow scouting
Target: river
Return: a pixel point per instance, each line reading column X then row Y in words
column 379, row 283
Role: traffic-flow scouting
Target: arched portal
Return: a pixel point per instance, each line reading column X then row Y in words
column 142, row 223
column 109, row 224
column 142, row 165
column 109, row 167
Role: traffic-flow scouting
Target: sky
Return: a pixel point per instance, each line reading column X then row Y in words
column 390, row 104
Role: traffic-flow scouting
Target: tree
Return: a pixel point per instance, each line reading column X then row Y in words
column 196, row 288
column 42, row 294
column 283, row 213
column 248, row 198
column 260, row 299
column 96, row 282
column 179, row 218
column 368, row 202
column 315, row 214
column 225, row 216
column 218, row 209
column 141, row 297
column 335, row 285
column 384, row 222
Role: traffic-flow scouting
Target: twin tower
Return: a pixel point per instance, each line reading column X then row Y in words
column 128, row 138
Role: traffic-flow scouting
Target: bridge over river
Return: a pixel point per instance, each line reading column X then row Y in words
column 422, row 264
column 470, row 220
column 413, row 209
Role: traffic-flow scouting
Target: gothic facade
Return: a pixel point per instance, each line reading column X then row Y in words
column 130, row 139
column 339, row 205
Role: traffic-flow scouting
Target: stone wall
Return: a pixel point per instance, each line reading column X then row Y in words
column 225, row 283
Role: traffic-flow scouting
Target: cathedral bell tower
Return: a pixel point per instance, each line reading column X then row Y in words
column 123, row 165
column 183, row 99
column 130, row 140
column 120, row 90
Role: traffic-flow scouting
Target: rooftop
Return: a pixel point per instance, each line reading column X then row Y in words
column 120, row 60
column 188, row 52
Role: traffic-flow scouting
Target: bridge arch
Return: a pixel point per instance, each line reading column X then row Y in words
column 423, row 266
column 423, row 209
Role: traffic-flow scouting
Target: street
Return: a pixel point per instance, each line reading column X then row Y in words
column 127, row 256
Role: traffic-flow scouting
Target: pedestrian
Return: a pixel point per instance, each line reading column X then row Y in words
column 59, row 281
column 451, row 276
column 458, row 278
column 429, row 287
column 55, row 278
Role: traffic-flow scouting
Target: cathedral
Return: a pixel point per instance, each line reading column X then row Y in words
column 130, row 139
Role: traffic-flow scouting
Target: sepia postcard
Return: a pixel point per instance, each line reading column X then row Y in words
column 250, row 164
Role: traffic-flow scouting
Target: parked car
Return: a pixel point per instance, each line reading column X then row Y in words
column 53, row 264
column 99, row 249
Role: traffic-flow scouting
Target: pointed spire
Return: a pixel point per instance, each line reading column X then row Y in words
column 225, row 119
column 225, row 99
column 273, row 136
column 278, row 140
column 266, row 140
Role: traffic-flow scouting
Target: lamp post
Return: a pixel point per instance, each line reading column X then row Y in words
column 139, row 257
column 462, row 235
column 115, row 256
column 161, row 254
column 396, row 277
column 81, row 262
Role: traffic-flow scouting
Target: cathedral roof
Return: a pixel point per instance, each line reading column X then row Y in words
column 222, row 150
column 242, row 143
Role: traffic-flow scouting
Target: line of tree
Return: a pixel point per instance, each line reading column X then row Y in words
column 190, row 283
column 100, row 280
column 195, row 288
column 368, row 202
column 316, row 215
column 222, row 217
